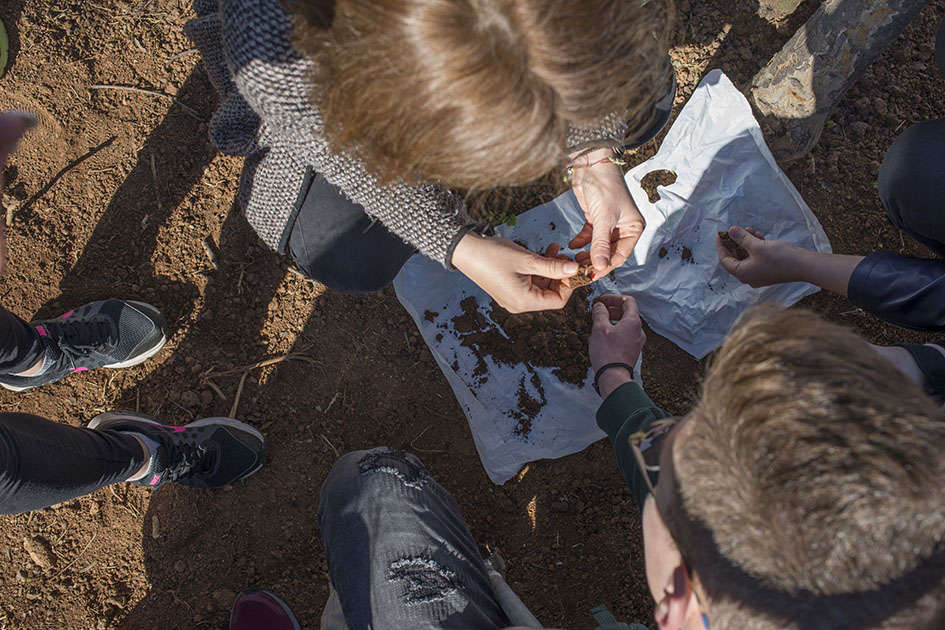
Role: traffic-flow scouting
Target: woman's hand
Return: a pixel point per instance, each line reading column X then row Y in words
column 616, row 337
column 614, row 224
column 519, row 280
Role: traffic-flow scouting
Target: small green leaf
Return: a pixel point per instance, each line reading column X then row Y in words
column 831, row 124
column 511, row 220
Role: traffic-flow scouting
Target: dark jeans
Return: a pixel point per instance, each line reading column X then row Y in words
column 20, row 346
column 912, row 177
column 335, row 242
column 912, row 183
column 399, row 554
column 43, row 463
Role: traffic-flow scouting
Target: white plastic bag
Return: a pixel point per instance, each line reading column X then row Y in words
column 726, row 175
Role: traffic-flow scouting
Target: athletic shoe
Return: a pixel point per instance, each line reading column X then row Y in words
column 255, row 610
column 207, row 453
column 109, row 333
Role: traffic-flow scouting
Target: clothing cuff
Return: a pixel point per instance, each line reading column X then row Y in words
column 463, row 231
column 621, row 403
column 858, row 288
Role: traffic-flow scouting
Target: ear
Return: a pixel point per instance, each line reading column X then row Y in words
column 679, row 602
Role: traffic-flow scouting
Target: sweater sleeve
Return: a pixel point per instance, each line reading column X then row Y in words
column 625, row 411
column 906, row 291
column 611, row 132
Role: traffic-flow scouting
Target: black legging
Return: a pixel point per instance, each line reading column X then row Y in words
column 43, row 463
column 20, row 345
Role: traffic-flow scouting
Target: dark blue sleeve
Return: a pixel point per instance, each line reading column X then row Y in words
column 909, row 292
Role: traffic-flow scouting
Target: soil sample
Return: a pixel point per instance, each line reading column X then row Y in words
column 552, row 339
column 733, row 248
column 656, row 178
column 583, row 277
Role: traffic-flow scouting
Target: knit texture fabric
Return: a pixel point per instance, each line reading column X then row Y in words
column 265, row 116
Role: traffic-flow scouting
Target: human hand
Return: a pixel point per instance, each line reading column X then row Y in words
column 12, row 127
column 614, row 224
column 519, row 280
column 616, row 337
column 768, row 262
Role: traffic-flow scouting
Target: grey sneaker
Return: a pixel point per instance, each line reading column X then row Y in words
column 207, row 453
column 109, row 333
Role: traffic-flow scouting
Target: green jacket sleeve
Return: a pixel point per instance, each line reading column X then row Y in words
column 627, row 410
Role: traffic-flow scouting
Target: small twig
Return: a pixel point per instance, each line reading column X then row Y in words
column 332, row 402
column 407, row 339
column 267, row 362
column 239, row 393
column 327, row 441
column 211, row 255
column 131, row 88
column 65, row 169
column 216, row 389
column 154, row 178
column 76, row 559
column 182, row 54
column 423, row 450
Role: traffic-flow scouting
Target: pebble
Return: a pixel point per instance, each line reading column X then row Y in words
column 39, row 552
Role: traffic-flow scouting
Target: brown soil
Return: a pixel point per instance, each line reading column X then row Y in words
column 733, row 248
column 553, row 339
column 126, row 558
column 652, row 180
column 582, row 278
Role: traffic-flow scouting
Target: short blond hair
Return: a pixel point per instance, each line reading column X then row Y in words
column 810, row 486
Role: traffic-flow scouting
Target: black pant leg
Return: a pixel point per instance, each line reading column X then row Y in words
column 43, row 463
column 20, row 346
column 335, row 242
column 399, row 553
column 912, row 183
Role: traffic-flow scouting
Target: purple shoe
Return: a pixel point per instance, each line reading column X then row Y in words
column 261, row 610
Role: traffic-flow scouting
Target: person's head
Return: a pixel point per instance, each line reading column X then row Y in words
column 477, row 93
column 804, row 490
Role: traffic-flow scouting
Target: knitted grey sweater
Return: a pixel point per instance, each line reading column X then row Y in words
column 265, row 115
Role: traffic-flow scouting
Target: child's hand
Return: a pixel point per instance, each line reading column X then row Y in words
column 620, row 342
column 768, row 262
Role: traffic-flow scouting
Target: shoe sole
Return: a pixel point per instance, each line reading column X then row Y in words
column 141, row 358
column 108, row 416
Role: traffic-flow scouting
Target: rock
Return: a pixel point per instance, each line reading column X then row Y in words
column 40, row 552
column 93, row 508
column 21, row 576
column 155, row 527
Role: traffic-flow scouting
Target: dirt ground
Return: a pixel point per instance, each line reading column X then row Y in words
column 131, row 221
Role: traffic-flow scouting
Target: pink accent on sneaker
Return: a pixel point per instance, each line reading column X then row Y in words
column 65, row 315
column 173, row 428
column 42, row 331
column 156, row 478
column 81, row 369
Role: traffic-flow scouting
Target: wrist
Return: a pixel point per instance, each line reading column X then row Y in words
column 611, row 379
column 465, row 248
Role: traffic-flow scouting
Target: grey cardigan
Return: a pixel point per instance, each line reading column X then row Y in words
column 265, row 115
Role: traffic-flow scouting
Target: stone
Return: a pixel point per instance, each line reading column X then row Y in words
column 40, row 552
